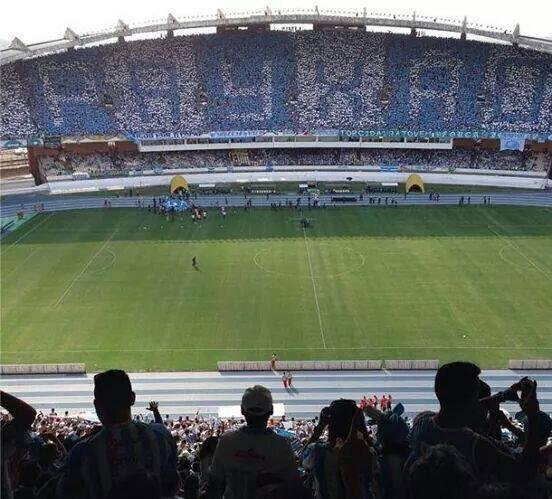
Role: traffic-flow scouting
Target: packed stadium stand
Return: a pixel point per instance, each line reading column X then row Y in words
column 99, row 164
column 91, row 110
column 280, row 82
column 464, row 446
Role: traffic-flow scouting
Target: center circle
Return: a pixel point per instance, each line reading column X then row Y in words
column 322, row 260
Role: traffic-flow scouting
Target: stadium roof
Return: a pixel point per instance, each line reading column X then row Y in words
column 18, row 50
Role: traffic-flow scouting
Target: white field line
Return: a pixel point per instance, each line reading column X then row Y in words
column 314, row 289
column 77, row 277
column 28, row 232
column 272, row 348
column 516, row 247
column 17, row 267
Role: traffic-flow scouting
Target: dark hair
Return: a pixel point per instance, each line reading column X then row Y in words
column 341, row 416
column 440, row 472
column 113, row 389
column 457, row 383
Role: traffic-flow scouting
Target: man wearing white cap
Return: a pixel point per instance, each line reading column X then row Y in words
column 253, row 461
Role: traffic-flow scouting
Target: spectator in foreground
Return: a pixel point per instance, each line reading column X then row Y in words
column 457, row 389
column 122, row 450
column 331, row 479
column 441, row 471
column 13, row 432
column 253, row 462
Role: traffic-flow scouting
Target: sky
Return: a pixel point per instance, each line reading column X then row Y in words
column 39, row 20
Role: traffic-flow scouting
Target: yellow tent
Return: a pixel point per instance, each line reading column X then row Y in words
column 414, row 183
column 179, row 182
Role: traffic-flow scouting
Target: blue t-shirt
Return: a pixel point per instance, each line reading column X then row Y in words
column 320, row 459
column 95, row 465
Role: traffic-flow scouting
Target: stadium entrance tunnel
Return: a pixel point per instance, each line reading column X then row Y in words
column 178, row 184
column 414, row 183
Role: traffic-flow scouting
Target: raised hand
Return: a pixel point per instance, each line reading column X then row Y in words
column 354, row 453
column 528, row 401
column 153, row 406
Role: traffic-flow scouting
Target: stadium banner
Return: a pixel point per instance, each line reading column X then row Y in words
column 13, row 144
column 421, row 134
column 418, row 168
column 327, row 133
column 389, row 168
column 511, row 142
column 35, row 142
column 162, row 136
column 353, row 134
column 247, row 134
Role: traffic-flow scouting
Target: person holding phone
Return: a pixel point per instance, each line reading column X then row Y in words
column 457, row 388
column 342, row 463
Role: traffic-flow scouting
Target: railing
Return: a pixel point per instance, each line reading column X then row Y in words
column 18, row 50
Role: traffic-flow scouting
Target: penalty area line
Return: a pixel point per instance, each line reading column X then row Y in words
column 77, row 277
column 11, row 245
column 510, row 243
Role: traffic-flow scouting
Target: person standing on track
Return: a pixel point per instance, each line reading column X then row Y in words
column 289, row 379
column 285, row 380
column 273, row 361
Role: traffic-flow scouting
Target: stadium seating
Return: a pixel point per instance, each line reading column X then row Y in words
column 103, row 164
column 280, row 81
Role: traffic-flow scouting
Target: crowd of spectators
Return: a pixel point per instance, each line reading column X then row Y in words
column 279, row 81
column 104, row 164
column 468, row 449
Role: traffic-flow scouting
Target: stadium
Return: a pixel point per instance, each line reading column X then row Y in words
column 338, row 205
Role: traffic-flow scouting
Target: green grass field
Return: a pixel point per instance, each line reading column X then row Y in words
column 116, row 288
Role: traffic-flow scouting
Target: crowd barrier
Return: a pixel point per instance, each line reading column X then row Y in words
column 328, row 365
column 530, row 364
column 42, row 369
column 411, row 364
column 296, row 365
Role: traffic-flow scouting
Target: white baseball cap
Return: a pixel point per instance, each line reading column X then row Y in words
column 257, row 400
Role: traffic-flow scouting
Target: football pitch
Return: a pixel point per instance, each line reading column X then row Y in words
column 116, row 288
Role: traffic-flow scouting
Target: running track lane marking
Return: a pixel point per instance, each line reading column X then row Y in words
column 410, row 347
column 314, row 289
column 27, row 233
column 84, row 269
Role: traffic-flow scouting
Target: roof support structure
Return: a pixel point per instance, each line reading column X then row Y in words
column 224, row 21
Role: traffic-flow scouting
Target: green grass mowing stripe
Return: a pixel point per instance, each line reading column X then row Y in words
column 27, row 233
column 279, row 348
column 71, row 284
column 429, row 275
column 314, row 289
